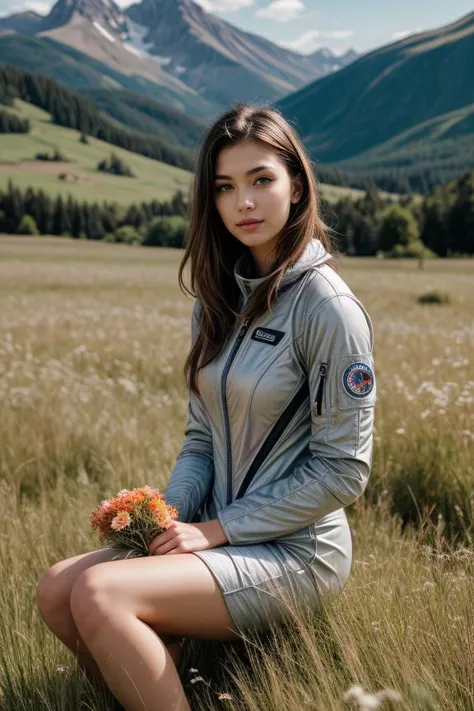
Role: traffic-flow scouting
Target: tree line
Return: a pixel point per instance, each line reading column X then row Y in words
column 10, row 123
column 442, row 224
column 79, row 219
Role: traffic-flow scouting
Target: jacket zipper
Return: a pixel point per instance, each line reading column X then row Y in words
column 280, row 426
column 243, row 330
column 274, row 435
column 323, row 368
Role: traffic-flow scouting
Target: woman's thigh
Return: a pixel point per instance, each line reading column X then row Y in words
column 173, row 594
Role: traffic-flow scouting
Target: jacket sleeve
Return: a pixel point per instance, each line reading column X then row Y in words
column 339, row 334
column 192, row 475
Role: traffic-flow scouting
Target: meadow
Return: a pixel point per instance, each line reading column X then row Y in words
column 93, row 400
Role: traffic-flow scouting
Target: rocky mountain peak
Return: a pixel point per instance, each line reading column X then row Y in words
column 104, row 12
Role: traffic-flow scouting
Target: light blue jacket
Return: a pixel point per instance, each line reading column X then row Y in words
column 282, row 433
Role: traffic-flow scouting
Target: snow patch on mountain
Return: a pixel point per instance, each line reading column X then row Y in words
column 103, row 31
column 135, row 39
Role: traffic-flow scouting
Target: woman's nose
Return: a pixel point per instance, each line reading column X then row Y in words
column 245, row 201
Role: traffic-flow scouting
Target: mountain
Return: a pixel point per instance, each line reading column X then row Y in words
column 418, row 91
column 221, row 61
column 26, row 23
column 81, row 72
column 179, row 46
column 327, row 62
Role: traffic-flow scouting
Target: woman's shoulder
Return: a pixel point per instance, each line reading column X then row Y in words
column 323, row 289
column 329, row 301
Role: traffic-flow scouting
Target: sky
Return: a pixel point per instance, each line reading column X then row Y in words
column 306, row 25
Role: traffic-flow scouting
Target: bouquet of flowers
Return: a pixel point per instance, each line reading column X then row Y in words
column 132, row 519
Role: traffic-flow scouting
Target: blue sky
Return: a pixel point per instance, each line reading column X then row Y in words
column 305, row 25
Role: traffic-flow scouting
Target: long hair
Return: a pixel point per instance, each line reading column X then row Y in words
column 212, row 250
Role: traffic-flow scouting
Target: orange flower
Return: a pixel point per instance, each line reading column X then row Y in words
column 142, row 506
column 121, row 520
column 163, row 513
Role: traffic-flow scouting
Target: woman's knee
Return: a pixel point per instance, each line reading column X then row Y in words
column 52, row 593
column 91, row 597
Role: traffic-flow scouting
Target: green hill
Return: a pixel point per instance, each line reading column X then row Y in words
column 69, row 109
column 17, row 161
column 146, row 115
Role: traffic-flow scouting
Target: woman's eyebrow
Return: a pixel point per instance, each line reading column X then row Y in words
column 249, row 172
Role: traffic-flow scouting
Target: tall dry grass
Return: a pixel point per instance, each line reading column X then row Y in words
column 92, row 400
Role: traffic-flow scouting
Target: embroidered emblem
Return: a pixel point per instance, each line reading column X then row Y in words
column 358, row 380
column 267, row 335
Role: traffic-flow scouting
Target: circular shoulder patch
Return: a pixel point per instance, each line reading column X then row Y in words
column 358, row 380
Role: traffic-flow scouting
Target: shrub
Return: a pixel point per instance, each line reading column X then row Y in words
column 56, row 156
column 115, row 165
column 413, row 250
column 434, row 297
column 27, row 226
column 127, row 235
column 166, row 232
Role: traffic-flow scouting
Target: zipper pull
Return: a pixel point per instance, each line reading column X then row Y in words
column 323, row 369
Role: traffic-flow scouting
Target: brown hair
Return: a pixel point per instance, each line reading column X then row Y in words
column 213, row 250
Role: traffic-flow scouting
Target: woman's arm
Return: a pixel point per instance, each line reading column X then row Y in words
column 339, row 334
column 192, row 475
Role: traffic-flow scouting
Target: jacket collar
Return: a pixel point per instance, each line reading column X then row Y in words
column 313, row 255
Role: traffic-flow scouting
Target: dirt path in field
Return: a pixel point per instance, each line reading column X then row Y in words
column 74, row 174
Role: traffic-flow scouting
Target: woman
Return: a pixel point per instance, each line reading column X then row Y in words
column 279, row 435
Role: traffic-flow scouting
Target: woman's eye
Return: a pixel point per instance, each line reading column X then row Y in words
column 219, row 188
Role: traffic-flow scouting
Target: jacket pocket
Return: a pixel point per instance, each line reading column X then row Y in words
column 323, row 368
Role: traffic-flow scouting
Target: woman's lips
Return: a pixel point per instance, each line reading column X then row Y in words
column 250, row 227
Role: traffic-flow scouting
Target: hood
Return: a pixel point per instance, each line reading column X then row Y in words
column 313, row 255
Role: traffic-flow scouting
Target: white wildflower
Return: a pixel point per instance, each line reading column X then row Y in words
column 128, row 385
column 63, row 670
column 366, row 701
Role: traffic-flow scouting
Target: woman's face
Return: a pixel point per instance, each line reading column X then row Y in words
column 243, row 192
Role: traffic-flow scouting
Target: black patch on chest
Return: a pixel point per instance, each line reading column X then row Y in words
column 267, row 335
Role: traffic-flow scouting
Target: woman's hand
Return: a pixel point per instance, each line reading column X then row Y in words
column 182, row 537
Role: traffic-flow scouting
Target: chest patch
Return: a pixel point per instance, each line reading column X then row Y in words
column 267, row 335
column 358, row 380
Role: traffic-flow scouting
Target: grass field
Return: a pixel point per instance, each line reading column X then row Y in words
column 153, row 180
column 92, row 400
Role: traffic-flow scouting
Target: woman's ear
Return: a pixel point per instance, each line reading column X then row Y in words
column 297, row 188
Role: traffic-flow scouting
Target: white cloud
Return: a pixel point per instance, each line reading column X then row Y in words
column 405, row 33
column 224, row 5
column 281, row 10
column 308, row 41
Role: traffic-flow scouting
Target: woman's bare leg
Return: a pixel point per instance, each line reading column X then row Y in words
column 53, row 594
column 122, row 611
